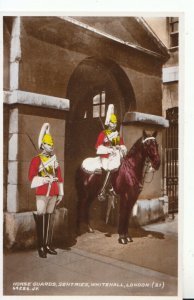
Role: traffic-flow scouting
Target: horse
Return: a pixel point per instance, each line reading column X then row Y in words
column 127, row 183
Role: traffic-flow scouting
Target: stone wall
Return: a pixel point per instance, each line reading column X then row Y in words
column 25, row 122
column 47, row 52
column 20, row 229
column 46, row 68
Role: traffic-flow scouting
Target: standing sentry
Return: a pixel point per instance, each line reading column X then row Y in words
column 45, row 176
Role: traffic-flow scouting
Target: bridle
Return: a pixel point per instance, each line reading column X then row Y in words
column 147, row 164
column 148, row 138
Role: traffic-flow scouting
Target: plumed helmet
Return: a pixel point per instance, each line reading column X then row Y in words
column 45, row 136
column 48, row 139
column 110, row 116
column 113, row 118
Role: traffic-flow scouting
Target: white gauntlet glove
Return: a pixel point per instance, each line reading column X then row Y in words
column 61, row 193
column 123, row 150
column 38, row 181
column 59, row 199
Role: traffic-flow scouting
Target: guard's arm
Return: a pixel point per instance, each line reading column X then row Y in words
column 104, row 150
column 60, row 186
column 38, row 181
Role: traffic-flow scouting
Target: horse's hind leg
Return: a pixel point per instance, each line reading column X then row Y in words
column 82, row 216
column 83, row 213
column 87, row 215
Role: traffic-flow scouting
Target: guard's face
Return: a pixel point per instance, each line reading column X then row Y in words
column 112, row 126
column 48, row 148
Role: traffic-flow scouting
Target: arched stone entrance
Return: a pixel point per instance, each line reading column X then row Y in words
column 93, row 85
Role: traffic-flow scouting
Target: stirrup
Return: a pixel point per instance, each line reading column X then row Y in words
column 112, row 192
column 102, row 197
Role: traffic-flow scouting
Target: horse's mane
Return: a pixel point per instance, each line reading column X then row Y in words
column 135, row 147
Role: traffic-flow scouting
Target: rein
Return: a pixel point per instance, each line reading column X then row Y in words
column 147, row 162
column 146, row 172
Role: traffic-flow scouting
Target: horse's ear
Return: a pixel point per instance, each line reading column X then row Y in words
column 144, row 134
column 155, row 133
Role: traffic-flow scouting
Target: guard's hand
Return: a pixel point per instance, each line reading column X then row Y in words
column 118, row 147
column 55, row 179
column 47, row 180
column 50, row 179
column 59, row 199
column 112, row 149
column 65, row 211
column 124, row 153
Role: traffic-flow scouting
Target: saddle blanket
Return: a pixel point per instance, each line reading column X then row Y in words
column 92, row 165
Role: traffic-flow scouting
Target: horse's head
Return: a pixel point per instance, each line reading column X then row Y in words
column 150, row 148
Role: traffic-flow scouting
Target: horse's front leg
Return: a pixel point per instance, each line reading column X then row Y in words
column 126, row 231
column 124, row 214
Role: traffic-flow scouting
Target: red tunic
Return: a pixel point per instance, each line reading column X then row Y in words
column 103, row 140
column 42, row 190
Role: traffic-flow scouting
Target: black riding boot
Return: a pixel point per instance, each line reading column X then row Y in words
column 40, row 226
column 102, row 194
column 49, row 226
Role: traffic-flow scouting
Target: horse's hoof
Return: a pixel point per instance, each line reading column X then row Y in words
column 122, row 241
column 129, row 239
column 90, row 230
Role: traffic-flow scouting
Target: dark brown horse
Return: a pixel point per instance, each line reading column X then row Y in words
column 127, row 183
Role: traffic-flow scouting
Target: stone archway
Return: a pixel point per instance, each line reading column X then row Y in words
column 105, row 81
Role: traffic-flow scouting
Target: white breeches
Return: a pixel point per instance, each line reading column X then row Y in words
column 45, row 204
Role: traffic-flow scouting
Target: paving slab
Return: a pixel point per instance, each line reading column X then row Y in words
column 99, row 265
column 82, row 274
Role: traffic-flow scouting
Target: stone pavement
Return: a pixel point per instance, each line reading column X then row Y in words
column 81, row 271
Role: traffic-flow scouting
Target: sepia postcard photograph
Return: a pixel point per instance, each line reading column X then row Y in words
column 91, row 154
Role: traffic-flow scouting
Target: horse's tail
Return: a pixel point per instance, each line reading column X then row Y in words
column 77, row 179
column 79, row 184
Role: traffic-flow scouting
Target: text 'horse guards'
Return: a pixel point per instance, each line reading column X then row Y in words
column 127, row 183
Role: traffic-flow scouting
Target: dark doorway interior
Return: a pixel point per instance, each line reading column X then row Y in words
column 92, row 87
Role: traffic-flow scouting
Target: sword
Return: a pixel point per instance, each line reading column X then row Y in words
column 111, row 204
column 111, row 198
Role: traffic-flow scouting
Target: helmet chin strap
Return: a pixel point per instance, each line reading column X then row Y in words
column 46, row 151
column 112, row 127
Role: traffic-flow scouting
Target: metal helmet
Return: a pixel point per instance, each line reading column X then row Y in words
column 110, row 116
column 45, row 136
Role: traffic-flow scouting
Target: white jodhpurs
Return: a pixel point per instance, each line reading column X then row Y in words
column 112, row 162
column 45, row 204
